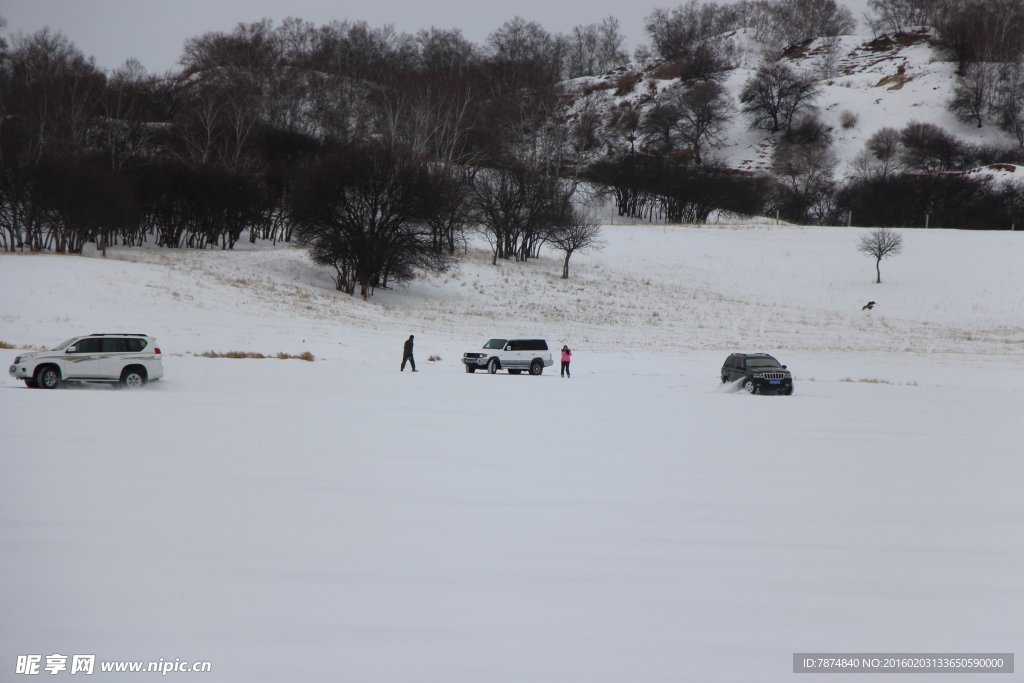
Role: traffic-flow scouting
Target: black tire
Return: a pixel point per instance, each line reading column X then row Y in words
column 749, row 386
column 133, row 378
column 514, row 372
column 31, row 384
column 788, row 391
column 492, row 367
column 725, row 380
column 48, row 377
column 536, row 368
column 470, row 368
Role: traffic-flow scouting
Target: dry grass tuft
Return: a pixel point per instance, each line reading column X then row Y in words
column 305, row 355
column 23, row 347
column 231, row 354
column 433, row 357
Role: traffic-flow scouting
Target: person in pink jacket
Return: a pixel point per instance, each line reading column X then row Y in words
column 566, row 357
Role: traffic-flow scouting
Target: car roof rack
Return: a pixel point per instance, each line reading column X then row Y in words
column 118, row 334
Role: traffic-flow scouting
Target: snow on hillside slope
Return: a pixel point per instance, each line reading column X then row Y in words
column 885, row 83
column 339, row 520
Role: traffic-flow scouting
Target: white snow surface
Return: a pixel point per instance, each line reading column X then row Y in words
column 341, row 521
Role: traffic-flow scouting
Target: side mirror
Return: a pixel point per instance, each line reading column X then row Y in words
column 72, row 349
column 783, row 367
column 508, row 348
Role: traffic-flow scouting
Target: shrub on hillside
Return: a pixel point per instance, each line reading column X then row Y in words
column 930, row 148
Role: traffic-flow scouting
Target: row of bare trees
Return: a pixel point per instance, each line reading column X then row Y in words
column 690, row 29
column 263, row 122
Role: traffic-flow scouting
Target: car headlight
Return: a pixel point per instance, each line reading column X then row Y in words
column 27, row 356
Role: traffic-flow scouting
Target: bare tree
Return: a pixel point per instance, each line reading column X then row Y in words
column 826, row 58
column 446, row 53
column 973, row 93
column 801, row 20
column 773, row 97
column 898, row 16
column 365, row 213
column 523, row 53
column 595, row 48
column 880, row 157
column 885, row 144
column 518, row 210
column 580, row 232
column 927, row 147
column 675, row 33
column 805, row 163
column 698, row 115
column 879, row 244
column 980, row 30
column 1008, row 100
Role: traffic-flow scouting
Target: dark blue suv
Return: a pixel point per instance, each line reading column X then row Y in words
column 761, row 373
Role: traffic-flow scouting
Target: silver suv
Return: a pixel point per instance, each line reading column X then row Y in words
column 131, row 359
column 514, row 355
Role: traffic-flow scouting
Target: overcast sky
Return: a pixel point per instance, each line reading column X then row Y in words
column 153, row 31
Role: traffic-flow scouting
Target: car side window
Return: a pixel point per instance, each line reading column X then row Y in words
column 515, row 346
column 113, row 345
column 135, row 345
column 87, row 346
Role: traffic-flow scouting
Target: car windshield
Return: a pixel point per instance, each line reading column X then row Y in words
column 495, row 344
column 66, row 344
column 762, row 363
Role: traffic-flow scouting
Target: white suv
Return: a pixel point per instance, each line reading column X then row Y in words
column 131, row 359
column 514, row 355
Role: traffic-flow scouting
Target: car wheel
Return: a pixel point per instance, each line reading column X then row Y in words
column 725, row 379
column 470, row 368
column 31, row 384
column 48, row 377
column 750, row 387
column 536, row 367
column 492, row 367
column 787, row 391
column 133, row 378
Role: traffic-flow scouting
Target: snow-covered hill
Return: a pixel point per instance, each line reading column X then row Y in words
column 881, row 81
column 340, row 520
column 674, row 288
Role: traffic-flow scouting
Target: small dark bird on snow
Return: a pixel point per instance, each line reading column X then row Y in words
column 868, row 306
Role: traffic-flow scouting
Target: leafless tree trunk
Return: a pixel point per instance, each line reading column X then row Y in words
column 579, row 233
column 880, row 244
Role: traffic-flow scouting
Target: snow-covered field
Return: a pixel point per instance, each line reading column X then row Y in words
column 341, row 521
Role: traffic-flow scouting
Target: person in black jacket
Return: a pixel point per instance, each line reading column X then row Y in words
column 407, row 355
